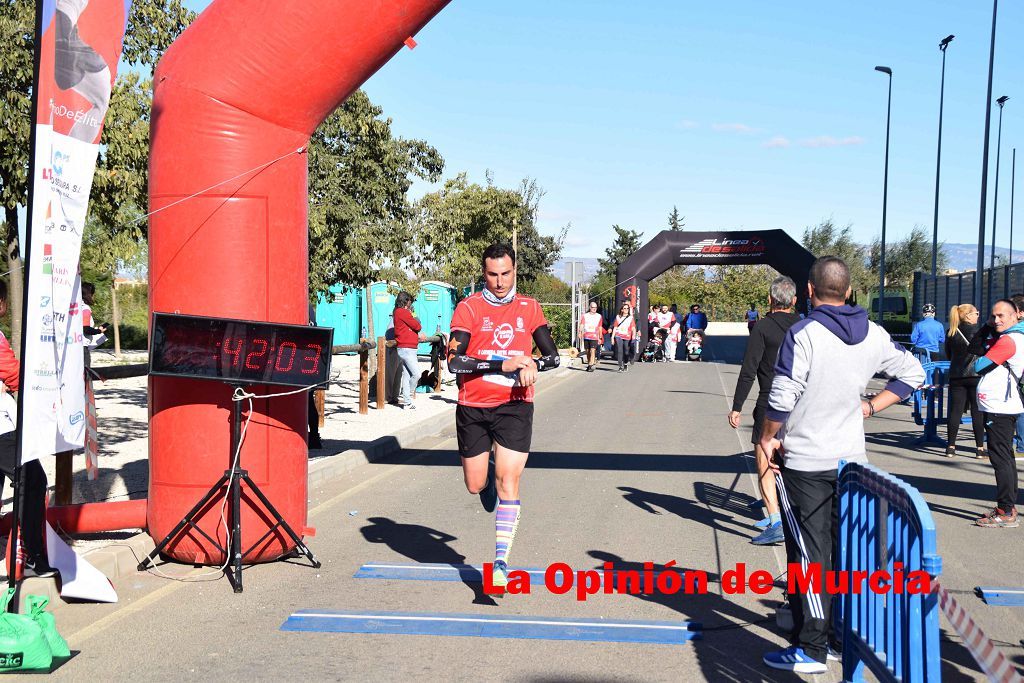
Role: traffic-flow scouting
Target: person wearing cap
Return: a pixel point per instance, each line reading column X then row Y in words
column 927, row 335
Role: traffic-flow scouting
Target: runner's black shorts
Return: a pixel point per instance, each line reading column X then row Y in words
column 759, row 411
column 591, row 344
column 510, row 425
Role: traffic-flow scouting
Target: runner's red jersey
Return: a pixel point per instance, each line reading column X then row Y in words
column 496, row 332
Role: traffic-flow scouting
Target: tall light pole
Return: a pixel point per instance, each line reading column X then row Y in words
column 1013, row 183
column 938, row 158
column 885, row 199
column 978, row 303
column 995, row 199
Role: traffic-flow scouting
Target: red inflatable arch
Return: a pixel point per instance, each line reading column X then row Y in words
column 244, row 87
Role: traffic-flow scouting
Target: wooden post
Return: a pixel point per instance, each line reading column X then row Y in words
column 62, row 485
column 382, row 351
column 364, row 380
column 319, row 399
column 116, row 313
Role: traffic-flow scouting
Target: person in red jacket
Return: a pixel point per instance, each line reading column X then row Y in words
column 592, row 332
column 34, row 491
column 408, row 335
column 623, row 332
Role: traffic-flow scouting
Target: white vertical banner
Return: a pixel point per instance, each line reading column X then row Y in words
column 81, row 45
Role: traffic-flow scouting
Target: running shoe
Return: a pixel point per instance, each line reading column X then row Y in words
column 489, row 493
column 999, row 519
column 38, row 567
column 794, row 659
column 770, row 536
column 499, row 575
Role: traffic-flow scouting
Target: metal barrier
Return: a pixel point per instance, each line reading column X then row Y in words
column 884, row 521
column 930, row 402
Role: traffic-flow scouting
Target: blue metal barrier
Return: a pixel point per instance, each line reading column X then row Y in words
column 882, row 521
column 930, row 402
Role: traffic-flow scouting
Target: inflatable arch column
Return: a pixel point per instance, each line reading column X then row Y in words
column 244, row 88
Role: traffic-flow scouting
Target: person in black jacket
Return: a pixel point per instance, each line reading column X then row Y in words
column 762, row 351
column 963, row 380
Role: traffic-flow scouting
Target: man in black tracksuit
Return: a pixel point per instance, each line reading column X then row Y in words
column 762, row 352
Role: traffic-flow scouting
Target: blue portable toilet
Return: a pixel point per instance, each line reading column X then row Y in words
column 341, row 310
column 435, row 306
column 383, row 303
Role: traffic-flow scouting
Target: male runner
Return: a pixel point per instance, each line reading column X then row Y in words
column 592, row 331
column 493, row 333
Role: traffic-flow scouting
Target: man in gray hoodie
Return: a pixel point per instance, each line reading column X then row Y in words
column 823, row 369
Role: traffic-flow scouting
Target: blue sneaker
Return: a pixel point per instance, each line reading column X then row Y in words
column 770, row 536
column 763, row 523
column 793, row 659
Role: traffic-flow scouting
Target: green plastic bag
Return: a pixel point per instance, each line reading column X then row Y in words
column 37, row 610
column 23, row 647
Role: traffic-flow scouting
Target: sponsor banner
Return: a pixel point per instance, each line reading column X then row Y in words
column 80, row 48
column 721, row 249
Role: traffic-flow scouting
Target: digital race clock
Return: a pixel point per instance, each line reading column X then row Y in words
column 239, row 351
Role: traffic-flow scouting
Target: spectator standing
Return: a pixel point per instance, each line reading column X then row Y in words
column 927, row 335
column 1000, row 368
column 963, row 380
column 672, row 340
column 759, row 361
column 696, row 320
column 824, row 366
column 408, row 335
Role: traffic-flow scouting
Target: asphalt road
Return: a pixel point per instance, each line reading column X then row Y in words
column 630, row 468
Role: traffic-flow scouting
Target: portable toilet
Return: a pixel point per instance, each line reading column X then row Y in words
column 435, row 306
column 383, row 302
column 341, row 309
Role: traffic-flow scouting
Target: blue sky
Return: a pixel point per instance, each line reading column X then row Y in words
column 742, row 114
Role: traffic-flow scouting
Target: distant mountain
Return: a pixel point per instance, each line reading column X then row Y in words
column 586, row 269
column 962, row 257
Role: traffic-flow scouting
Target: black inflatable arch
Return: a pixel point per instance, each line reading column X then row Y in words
column 683, row 248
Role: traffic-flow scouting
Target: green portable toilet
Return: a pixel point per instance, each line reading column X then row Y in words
column 383, row 303
column 435, row 306
column 342, row 310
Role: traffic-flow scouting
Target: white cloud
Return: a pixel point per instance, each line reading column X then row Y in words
column 687, row 124
column 829, row 141
column 777, row 141
column 733, row 128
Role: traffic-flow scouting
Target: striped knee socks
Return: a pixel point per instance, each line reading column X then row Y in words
column 506, row 521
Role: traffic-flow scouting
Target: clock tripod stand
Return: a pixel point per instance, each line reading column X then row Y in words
column 231, row 483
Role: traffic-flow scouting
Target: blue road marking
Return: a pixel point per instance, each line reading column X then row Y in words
column 485, row 626
column 1004, row 597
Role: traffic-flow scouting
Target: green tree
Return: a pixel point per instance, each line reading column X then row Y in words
column 626, row 243
column 548, row 289
column 826, row 239
column 675, row 221
column 359, row 179
column 910, row 253
column 456, row 223
column 152, row 26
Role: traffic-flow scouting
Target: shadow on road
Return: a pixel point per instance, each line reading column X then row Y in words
column 423, row 545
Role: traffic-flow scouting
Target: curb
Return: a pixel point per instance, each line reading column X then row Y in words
column 121, row 559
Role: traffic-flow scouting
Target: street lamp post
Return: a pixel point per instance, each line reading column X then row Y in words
column 995, row 198
column 1013, row 183
column 979, row 273
column 938, row 158
column 885, row 200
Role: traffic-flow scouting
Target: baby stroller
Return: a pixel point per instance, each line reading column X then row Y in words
column 694, row 345
column 655, row 351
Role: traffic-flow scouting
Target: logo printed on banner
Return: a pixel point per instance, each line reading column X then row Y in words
column 76, row 418
column 720, row 247
column 44, row 302
column 58, row 162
